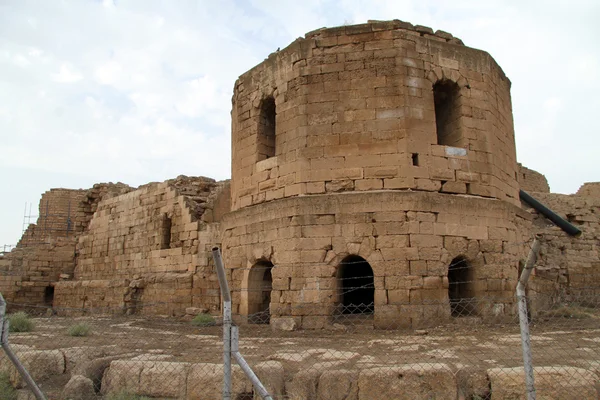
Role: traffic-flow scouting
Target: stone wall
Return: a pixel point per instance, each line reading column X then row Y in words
column 569, row 267
column 355, row 111
column 408, row 238
column 140, row 252
column 589, row 189
column 531, row 181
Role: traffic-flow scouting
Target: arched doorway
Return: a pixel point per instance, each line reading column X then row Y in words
column 460, row 288
column 260, row 284
column 356, row 286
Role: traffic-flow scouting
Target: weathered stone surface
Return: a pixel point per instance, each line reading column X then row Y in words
column 93, row 369
column 148, row 378
column 205, row 382
column 552, row 383
column 41, row 364
column 304, row 384
column 163, row 379
column 411, row 381
column 338, row 384
column 271, row 374
column 472, row 383
column 284, row 324
column 78, row 388
column 122, row 375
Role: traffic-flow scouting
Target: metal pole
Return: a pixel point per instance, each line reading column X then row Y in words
column 523, row 321
column 12, row 357
column 262, row 391
column 226, row 322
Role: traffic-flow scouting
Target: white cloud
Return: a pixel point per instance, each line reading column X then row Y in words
column 67, row 74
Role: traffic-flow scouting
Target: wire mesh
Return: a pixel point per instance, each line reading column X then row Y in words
column 455, row 347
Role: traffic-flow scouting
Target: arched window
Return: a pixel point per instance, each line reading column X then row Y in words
column 446, row 96
column 356, row 286
column 260, row 284
column 266, row 129
column 460, row 288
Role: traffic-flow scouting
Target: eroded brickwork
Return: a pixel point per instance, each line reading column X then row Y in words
column 568, row 266
column 142, row 248
column 532, row 181
column 356, row 111
column 381, row 152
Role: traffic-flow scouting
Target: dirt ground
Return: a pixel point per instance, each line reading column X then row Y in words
column 463, row 343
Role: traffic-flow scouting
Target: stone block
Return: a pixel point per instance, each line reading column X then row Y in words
column 551, row 382
column 410, row 381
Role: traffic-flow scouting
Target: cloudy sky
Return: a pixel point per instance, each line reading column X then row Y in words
column 139, row 91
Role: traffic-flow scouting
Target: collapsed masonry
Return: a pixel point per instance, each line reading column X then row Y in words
column 381, row 153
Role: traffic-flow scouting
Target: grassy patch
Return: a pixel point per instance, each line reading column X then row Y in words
column 7, row 391
column 20, row 322
column 79, row 329
column 203, row 320
column 126, row 396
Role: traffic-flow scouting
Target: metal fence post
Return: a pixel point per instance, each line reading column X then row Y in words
column 523, row 321
column 226, row 322
column 4, row 325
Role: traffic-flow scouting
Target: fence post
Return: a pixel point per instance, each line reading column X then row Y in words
column 226, row 322
column 4, row 325
column 524, row 322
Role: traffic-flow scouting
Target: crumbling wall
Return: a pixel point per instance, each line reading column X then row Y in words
column 589, row 189
column 568, row 266
column 47, row 249
column 531, row 181
column 141, row 251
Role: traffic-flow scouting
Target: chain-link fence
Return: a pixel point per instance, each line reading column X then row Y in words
column 454, row 347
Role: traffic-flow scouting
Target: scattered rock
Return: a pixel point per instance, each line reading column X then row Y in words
column 284, row 324
column 195, row 310
column 78, row 388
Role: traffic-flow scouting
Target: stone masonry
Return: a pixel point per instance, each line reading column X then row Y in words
column 381, row 154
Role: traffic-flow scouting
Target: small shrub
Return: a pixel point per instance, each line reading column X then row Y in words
column 20, row 322
column 80, row 329
column 123, row 395
column 7, row 391
column 203, row 320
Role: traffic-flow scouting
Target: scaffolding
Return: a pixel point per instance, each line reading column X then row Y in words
column 46, row 225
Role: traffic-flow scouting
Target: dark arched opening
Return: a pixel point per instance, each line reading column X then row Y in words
column 266, row 129
column 460, row 288
column 356, row 286
column 446, row 97
column 49, row 295
column 260, row 284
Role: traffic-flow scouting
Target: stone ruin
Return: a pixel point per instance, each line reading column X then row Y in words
column 382, row 152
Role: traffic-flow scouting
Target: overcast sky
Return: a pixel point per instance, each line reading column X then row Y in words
column 140, row 91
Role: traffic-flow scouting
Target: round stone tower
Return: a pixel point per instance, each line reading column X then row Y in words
column 382, row 153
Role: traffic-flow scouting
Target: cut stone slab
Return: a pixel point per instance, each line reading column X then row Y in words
column 304, row 384
column 271, row 374
column 410, row 382
column 551, row 383
column 338, row 384
column 205, row 382
column 284, row 324
column 163, row 379
column 41, row 364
